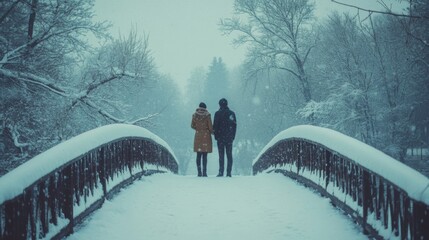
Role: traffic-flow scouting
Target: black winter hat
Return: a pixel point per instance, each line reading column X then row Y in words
column 202, row 105
column 223, row 102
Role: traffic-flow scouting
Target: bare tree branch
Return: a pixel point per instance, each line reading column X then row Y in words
column 109, row 116
column 144, row 119
column 35, row 80
column 273, row 30
column 32, row 19
column 381, row 12
column 49, row 85
column 3, row 17
column 93, row 86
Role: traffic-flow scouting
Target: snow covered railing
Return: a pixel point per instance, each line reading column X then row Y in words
column 46, row 196
column 387, row 198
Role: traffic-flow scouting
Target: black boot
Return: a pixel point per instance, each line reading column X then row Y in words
column 199, row 171
column 204, row 171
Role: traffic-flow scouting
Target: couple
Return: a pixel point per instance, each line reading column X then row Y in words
column 224, row 128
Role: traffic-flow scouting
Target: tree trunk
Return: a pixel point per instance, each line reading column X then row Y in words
column 32, row 19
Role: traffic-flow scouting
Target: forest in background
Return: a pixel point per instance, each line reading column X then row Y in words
column 362, row 73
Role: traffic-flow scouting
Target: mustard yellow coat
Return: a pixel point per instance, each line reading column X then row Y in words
column 202, row 123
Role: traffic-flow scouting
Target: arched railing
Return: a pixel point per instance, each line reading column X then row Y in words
column 387, row 198
column 48, row 195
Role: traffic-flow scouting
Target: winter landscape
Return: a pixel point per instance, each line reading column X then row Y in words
column 330, row 102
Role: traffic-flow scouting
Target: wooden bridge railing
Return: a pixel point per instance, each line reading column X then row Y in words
column 47, row 196
column 387, row 198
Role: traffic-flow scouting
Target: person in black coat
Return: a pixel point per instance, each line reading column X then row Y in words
column 224, row 127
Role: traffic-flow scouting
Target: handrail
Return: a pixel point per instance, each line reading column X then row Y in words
column 48, row 195
column 387, row 198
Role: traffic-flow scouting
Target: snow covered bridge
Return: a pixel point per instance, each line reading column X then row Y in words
column 244, row 207
column 51, row 194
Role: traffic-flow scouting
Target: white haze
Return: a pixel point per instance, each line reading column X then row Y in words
column 185, row 34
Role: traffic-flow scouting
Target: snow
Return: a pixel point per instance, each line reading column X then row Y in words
column 256, row 100
column 345, row 198
column 414, row 183
column 266, row 206
column 13, row 183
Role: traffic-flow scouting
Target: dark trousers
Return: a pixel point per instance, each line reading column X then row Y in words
column 204, row 156
column 222, row 148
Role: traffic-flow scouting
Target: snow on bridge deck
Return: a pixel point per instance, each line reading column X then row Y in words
column 168, row 206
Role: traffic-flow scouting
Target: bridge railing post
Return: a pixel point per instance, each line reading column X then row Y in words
column 102, row 169
column 67, row 191
column 366, row 198
column 327, row 156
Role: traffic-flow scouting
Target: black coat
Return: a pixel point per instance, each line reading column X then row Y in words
column 225, row 125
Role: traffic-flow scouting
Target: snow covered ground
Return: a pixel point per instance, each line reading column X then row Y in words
column 266, row 206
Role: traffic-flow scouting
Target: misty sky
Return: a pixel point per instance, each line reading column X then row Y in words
column 185, row 34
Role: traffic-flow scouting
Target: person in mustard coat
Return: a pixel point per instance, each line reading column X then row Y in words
column 202, row 123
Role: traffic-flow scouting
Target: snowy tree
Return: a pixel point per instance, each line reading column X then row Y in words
column 172, row 121
column 344, row 68
column 418, row 30
column 39, row 43
column 368, row 80
column 121, row 67
column 216, row 84
column 262, row 111
column 279, row 36
column 196, row 86
column 39, row 39
column 53, row 84
column 399, row 82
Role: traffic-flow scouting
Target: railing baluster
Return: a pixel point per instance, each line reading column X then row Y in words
column 31, row 231
column 10, row 218
column 395, row 212
column 405, row 215
column 328, row 156
column 365, row 198
column 68, row 194
column 76, row 183
column 43, row 208
column 102, row 168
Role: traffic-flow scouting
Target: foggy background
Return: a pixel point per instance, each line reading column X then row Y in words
column 69, row 68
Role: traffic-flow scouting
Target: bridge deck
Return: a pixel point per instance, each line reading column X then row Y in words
column 176, row 207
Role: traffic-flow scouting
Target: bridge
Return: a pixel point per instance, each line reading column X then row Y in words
column 309, row 183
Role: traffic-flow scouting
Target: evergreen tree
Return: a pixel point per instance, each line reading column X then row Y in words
column 217, row 83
